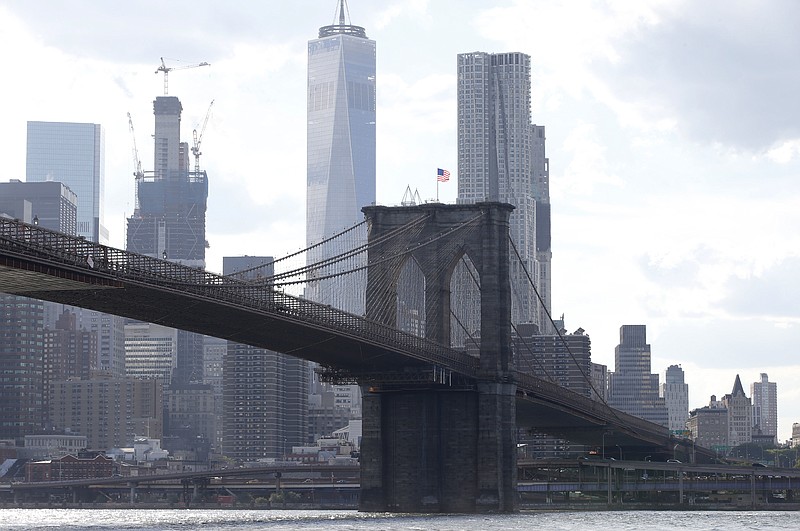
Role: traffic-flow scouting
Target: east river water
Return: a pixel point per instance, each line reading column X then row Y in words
column 144, row 519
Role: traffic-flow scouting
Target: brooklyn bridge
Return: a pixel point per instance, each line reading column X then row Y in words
column 440, row 420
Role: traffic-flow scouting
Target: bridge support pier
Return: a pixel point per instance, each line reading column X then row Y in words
column 435, row 448
column 439, row 450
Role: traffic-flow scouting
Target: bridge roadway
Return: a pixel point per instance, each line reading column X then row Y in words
column 51, row 266
column 620, row 478
column 611, row 478
column 307, row 470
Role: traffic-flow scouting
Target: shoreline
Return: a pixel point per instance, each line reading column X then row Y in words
column 523, row 508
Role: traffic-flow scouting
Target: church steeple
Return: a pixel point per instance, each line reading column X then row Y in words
column 738, row 390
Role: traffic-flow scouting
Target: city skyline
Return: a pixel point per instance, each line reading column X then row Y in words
column 670, row 209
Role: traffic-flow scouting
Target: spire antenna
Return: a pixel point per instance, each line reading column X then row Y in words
column 342, row 27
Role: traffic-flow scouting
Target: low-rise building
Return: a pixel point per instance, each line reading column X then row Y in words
column 709, row 426
column 70, row 467
column 50, row 445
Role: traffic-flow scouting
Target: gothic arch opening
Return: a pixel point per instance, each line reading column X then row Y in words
column 411, row 299
column 465, row 306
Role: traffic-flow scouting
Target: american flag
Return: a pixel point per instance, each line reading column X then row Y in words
column 442, row 175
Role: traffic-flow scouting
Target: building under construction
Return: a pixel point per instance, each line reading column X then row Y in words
column 169, row 220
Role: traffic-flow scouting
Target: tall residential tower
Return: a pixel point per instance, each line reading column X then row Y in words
column 265, row 393
column 501, row 157
column 765, row 407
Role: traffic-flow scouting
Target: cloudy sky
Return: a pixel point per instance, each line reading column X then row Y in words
column 672, row 132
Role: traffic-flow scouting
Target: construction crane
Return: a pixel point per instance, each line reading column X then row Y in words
column 167, row 69
column 137, row 164
column 199, row 138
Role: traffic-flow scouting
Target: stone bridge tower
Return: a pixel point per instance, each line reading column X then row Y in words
column 447, row 446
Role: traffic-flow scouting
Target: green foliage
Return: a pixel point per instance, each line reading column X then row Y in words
column 785, row 457
column 751, row 452
column 284, row 496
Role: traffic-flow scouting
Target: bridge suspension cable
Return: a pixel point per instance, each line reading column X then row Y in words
column 338, row 258
column 334, row 271
column 585, row 376
column 267, row 265
column 521, row 340
column 599, row 397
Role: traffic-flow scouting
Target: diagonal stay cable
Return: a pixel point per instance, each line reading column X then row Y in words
column 533, row 358
column 383, row 260
column 301, row 251
column 560, row 335
column 340, row 257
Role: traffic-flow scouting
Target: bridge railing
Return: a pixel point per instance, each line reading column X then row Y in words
column 34, row 241
column 344, row 323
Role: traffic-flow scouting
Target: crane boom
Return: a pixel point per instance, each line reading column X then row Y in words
column 137, row 164
column 167, row 69
column 199, row 138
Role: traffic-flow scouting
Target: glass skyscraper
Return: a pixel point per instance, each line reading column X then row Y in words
column 501, row 157
column 341, row 144
column 74, row 154
column 340, row 164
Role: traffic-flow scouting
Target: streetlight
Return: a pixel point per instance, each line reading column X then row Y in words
column 603, row 442
column 620, row 451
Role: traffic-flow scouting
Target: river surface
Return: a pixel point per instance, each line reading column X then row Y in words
column 144, row 519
